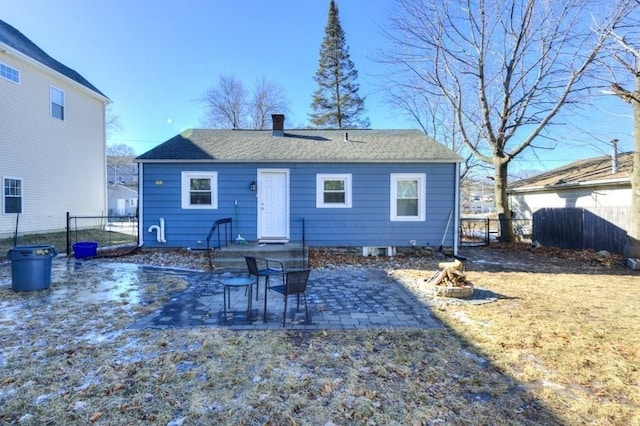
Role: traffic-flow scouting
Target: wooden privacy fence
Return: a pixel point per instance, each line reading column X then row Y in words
column 597, row 228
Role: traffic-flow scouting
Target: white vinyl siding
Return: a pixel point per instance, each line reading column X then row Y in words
column 524, row 204
column 333, row 191
column 62, row 167
column 408, row 197
column 199, row 190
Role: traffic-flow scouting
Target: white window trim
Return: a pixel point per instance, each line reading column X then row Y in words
column 13, row 69
column 3, row 199
column 320, row 178
column 51, row 103
column 422, row 179
column 186, row 180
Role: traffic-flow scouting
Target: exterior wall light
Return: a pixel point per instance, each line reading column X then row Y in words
column 253, row 186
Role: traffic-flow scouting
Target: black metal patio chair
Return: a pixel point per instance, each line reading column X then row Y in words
column 263, row 267
column 295, row 283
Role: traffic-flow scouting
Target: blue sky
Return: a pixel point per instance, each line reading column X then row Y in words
column 154, row 58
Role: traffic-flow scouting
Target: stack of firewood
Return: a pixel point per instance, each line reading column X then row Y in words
column 450, row 274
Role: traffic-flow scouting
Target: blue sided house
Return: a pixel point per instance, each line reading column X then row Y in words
column 328, row 188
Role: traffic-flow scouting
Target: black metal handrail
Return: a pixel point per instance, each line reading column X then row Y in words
column 227, row 231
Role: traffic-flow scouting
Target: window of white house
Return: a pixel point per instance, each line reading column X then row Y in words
column 133, row 202
column 333, row 190
column 199, row 190
column 57, row 103
column 9, row 73
column 12, row 195
column 408, row 197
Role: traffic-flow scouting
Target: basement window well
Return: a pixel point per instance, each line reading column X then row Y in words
column 379, row 251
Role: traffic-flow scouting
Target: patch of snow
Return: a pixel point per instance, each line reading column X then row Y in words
column 95, row 337
column 79, row 406
column 27, row 418
column 463, row 318
column 177, row 422
column 43, row 398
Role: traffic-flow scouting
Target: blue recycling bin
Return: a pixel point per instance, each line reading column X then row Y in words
column 31, row 267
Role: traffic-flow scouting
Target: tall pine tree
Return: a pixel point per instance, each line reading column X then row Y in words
column 336, row 103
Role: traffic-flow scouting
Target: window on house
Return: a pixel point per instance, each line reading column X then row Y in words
column 333, row 191
column 12, row 195
column 9, row 73
column 57, row 103
column 199, row 190
column 407, row 197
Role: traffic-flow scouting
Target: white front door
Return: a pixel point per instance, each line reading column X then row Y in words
column 273, row 205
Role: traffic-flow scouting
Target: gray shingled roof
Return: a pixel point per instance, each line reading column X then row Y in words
column 322, row 146
column 18, row 41
column 591, row 171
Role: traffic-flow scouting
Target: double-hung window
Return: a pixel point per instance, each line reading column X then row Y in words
column 199, row 190
column 57, row 102
column 408, row 197
column 12, row 195
column 9, row 73
column 333, row 190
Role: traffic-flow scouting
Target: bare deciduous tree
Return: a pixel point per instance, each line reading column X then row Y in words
column 229, row 105
column 506, row 68
column 112, row 122
column 268, row 98
column 434, row 118
column 120, row 165
column 626, row 53
column 225, row 104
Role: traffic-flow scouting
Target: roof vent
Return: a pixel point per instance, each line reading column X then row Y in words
column 346, row 137
column 278, row 124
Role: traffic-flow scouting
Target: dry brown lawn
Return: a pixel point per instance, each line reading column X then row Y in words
column 567, row 329
column 557, row 348
column 572, row 339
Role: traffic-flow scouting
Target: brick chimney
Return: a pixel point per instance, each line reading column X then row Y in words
column 278, row 124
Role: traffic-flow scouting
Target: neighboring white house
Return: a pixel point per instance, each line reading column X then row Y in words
column 122, row 170
column 591, row 183
column 52, row 134
column 122, row 199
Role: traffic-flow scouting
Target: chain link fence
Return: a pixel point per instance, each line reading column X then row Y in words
column 482, row 231
column 115, row 235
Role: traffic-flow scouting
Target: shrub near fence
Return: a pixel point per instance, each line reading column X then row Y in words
column 119, row 234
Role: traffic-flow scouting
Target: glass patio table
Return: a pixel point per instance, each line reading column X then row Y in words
column 237, row 282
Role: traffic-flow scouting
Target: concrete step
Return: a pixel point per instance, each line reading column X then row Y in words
column 231, row 257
